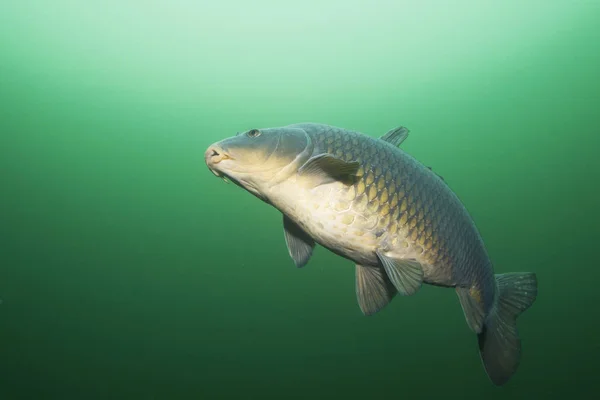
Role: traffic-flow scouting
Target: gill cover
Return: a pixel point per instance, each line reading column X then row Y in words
column 267, row 149
column 258, row 160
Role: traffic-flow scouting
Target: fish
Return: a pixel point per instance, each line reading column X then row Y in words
column 368, row 201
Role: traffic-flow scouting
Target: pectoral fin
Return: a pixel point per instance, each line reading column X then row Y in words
column 396, row 136
column 326, row 168
column 472, row 305
column 300, row 245
column 374, row 290
column 405, row 274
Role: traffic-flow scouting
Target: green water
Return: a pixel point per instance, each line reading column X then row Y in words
column 128, row 271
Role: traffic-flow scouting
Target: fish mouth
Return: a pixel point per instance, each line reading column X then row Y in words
column 213, row 156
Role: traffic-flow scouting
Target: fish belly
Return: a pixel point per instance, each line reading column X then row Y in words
column 329, row 218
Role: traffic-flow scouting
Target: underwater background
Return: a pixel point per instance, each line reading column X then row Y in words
column 128, row 271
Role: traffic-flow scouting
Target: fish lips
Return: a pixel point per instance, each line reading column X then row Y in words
column 213, row 156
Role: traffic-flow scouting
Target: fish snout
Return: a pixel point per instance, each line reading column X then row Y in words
column 214, row 155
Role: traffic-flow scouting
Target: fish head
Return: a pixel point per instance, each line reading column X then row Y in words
column 259, row 158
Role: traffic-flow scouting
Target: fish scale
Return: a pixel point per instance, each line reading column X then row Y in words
column 417, row 200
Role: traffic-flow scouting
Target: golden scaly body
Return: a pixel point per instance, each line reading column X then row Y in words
column 396, row 205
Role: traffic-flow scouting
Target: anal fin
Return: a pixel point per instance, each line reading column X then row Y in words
column 472, row 305
column 374, row 290
column 405, row 274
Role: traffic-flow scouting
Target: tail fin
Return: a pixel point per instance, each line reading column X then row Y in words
column 499, row 343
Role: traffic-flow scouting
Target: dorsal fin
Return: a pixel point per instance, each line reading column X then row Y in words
column 396, row 136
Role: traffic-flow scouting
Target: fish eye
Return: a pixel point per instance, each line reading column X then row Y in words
column 253, row 133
